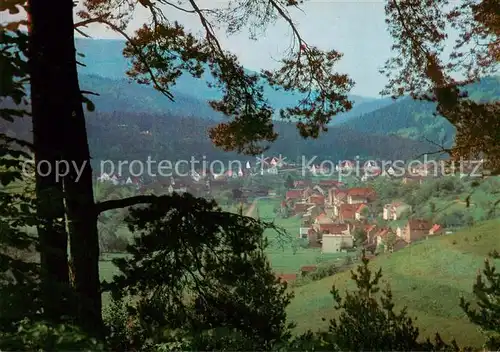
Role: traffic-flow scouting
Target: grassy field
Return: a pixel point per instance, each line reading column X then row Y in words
column 429, row 277
column 284, row 253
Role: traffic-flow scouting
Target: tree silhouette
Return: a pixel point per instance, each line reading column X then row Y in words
column 157, row 59
column 421, row 68
column 289, row 184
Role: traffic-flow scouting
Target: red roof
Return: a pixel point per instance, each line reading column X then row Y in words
column 361, row 207
column 308, row 268
column 360, row 192
column 435, row 228
column 300, row 207
column 294, row 194
column 333, row 228
column 317, row 199
column 369, row 228
column 330, row 183
column 348, row 211
column 321, row 216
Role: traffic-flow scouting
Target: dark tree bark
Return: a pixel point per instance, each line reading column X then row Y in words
column 82, row 218
column 49, row 107
column 79, row 195
column 59, row 121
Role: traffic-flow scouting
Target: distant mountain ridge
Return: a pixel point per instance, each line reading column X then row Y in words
column 104, row 58
column 415, row 119
column 378, row 128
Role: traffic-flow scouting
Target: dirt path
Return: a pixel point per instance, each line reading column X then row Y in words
column 459, row 201
column 253, row 205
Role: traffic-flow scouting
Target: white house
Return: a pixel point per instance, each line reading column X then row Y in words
column 335, row 243
column 393, row 211
column 303, row 231
column 104, row 177
column 115, row 180
column 273, row 170
column 319, row 189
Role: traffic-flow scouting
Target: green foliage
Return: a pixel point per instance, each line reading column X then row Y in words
column 19, row 271
column 368, row 322
column 42, row 336
column 359, row 236
column 487, row 314
column 195, row 268
column 454, row 219
column 289, row 182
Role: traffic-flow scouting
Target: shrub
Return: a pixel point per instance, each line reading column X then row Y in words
column 42, row 336
column 112, row 243
column 368, row 321
column 486, row 314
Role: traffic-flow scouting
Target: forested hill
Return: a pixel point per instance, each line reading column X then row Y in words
column 104, row 72
column 115, row 135
column 120, row 135
column 126, row 95
column 415, row 120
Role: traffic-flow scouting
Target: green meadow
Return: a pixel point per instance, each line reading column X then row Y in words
column 429, row 277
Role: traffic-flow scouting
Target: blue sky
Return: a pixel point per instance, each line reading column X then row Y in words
column 355, row 28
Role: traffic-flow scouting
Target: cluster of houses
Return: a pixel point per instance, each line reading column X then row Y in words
column 277, row 164
column 204, row 186
column 332, row 213
column 116, row 179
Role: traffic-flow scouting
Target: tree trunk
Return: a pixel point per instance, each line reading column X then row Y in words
column 79, row 195
column 49, row 107
column 82, row 217
column 60, row 104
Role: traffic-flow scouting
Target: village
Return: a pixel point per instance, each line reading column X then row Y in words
column 330, row 213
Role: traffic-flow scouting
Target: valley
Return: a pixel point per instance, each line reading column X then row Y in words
column 199, row 185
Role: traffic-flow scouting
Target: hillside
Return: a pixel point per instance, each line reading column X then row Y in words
column 429, row 277
column 104, row 60
column 127, row 96
column 117, row 135
column 414, row 119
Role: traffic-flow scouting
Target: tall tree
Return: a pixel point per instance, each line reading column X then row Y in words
column 215, row 258
column 487, row 293
column 423, row 69
column 160, row 51
column 50, row 64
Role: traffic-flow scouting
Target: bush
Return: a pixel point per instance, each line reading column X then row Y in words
column 367, row 320
column 302, row 242
column 324, row 271
column 113, row 244
column 41, row 336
